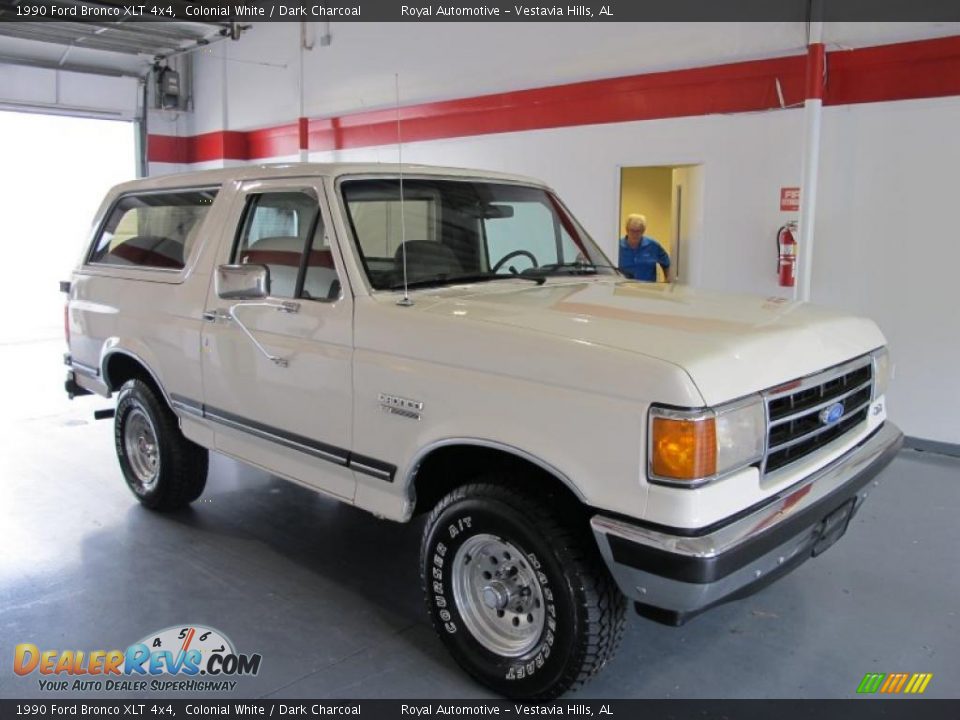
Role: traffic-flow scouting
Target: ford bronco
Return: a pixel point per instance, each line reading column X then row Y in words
column 451, row 343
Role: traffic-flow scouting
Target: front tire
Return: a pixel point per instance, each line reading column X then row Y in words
column 522, row 601
column 163, row 469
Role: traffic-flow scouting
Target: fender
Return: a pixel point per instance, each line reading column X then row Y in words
column 114, row 346
column 410, row 474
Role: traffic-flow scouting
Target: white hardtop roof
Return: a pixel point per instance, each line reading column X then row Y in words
column 292, row 170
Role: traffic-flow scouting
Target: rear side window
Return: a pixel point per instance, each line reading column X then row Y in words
column 154, row 230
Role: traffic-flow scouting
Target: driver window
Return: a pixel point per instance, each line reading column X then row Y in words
column 275, row 230
column 320, row 280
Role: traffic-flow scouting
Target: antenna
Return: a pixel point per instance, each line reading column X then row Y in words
column 405, row 301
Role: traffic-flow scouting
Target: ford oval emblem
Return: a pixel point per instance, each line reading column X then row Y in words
column 833, row 413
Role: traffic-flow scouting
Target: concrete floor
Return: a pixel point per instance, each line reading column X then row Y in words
column 330, row 597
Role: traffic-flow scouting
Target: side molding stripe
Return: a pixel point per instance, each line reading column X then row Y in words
column 329, row 453
column 372, row 466
column 290, row 440
column 186, row 405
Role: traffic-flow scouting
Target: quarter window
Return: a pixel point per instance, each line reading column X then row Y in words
column 154, row 230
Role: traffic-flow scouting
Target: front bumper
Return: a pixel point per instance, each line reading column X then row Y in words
column 674, row 574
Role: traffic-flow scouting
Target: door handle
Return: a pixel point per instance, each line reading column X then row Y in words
column 214, row 315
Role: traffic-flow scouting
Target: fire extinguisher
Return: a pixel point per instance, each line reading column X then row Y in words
column 787, row 251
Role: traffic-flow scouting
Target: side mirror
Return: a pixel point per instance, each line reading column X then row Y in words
column 243, row 282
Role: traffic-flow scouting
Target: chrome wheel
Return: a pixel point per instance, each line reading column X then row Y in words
column 498, row 595
column 140, row 445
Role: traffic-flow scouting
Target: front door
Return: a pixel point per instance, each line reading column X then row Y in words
column 277, row 372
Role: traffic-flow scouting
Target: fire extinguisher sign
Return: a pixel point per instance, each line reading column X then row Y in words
column 789, row 199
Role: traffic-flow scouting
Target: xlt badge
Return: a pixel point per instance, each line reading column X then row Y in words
column 401, row 406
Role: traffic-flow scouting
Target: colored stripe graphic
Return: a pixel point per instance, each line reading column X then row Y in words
column 894, row 683
column 891, row 683
column 918, row 683
column 871, row 682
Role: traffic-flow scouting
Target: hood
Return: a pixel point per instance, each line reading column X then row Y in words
column 730, row 345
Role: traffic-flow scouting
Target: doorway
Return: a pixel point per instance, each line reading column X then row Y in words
column 669, row 197
column 56, row 170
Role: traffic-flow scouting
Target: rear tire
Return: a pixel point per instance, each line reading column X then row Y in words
column 522, row 600
column 163, row 469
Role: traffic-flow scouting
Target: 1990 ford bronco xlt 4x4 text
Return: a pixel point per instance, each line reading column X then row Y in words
column 576, row 438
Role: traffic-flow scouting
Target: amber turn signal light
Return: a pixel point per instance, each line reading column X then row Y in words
column 684, row 449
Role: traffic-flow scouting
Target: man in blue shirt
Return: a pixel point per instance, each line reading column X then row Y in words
column 639, row 254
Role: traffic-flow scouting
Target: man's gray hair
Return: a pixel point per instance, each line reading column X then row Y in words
column 636, row 218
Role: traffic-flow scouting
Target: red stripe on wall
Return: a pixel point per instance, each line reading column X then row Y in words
column 303, row 133
column 274, row 141
column 227, row 145
column 926, row 68
column 168, row 149
column 905, row 71
column 731, row 88
column 198, row 148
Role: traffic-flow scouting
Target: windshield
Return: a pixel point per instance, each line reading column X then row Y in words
column 464, row 231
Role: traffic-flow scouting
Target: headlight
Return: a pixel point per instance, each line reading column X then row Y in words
column 881, row 372
column 693, row 447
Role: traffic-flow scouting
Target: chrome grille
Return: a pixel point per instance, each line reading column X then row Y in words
column 795, row 423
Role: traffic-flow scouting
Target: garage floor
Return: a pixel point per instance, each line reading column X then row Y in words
column 329, row 595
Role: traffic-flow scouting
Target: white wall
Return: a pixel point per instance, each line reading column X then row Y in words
column 888, row 245
column 441, row 61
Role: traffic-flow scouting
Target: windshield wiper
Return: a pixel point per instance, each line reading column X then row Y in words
column 477, row 277
column 571, row 268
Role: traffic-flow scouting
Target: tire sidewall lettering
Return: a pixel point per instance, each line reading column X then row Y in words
column 127, row 402
column 453, row 528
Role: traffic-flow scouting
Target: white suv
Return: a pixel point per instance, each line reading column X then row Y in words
column 452, row 343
